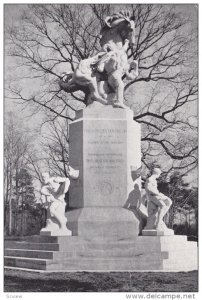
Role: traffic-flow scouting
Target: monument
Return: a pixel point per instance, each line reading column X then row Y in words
column 108, row 140
column 105, row 224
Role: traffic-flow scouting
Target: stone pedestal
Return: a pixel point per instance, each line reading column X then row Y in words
column 66, row 232
column 153, row 232
column 105, row 148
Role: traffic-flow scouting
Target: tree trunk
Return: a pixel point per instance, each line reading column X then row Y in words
column 10, row 217
column 21, row 233
column 10, row 204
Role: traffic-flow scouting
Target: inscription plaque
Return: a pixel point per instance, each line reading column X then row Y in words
column 104, row 161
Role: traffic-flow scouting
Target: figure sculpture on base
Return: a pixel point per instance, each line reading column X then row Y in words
column 101, row 77
column 158, row 205
column 52, row 197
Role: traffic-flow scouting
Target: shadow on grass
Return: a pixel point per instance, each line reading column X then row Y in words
column 21, row 281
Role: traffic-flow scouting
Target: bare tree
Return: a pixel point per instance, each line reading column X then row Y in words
column 22, row 167
column 55, row 147
column 16, row 147
column 54, row 38
column 184, row 197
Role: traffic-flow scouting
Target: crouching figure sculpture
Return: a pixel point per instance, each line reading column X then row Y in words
column 52, row 197
column 158, row 205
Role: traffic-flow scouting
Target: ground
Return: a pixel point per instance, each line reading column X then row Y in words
column 23, row 281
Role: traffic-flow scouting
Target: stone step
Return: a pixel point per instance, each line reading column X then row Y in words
column 41, row 239
column 29, row 270
column 29, row 253
column 60, row 255
column 82, row 247
column 76, row 241
column 159, row 261
column 85, row 264
column 179, row 246
column 31, row 246
column 180, row 265
column 52, row 239
column 55, row 255
column 66, row 243
column 51, row 253
column 118, row 253
column 149, row 246
column 101, row 241
column 113, row 264
column 188, row 252
column 186, row 260
column 22, row 262
column 122, row 249
column 101, row 249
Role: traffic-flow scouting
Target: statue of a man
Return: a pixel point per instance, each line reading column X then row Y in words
column 158, row 204
column 52, row 197
column 115, row 64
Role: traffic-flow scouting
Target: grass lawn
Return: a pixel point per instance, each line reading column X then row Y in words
column 23, row 281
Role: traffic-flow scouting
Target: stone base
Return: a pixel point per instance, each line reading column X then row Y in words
column 73, row 253
column 104, row 223
column 65, row 232
column 153, row 232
